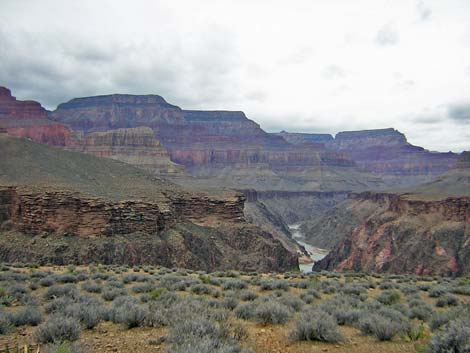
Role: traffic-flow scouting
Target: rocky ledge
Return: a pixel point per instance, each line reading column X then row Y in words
column 204, row 233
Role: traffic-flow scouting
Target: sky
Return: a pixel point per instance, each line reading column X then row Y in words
column 301, row 66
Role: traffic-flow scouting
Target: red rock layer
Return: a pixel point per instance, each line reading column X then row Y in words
column 29, row 119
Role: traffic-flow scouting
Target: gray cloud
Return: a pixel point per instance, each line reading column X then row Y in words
column 459, row 112
column 424, row 12
column 55, row 68
column 387, row 35
column 291, row 67
column 333, row 72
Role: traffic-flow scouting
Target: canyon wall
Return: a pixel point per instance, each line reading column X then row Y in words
column 199, row 233
column 59, row 207
column 219, row 148
column 136, row 146
column 399, row 235
column 386, row 153
column 29, row 119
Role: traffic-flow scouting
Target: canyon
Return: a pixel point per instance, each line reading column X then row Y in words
column 425, row 230
column 67, row 207
column 369, row 196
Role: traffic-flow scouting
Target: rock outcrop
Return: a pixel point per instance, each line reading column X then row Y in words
column 387, row 154
column 220, row 148
column 302, row 138
column 136, row 146
column 29, row 119
column 62, row 207
column 405, row 236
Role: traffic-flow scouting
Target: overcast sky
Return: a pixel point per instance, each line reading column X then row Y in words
column 306, row 66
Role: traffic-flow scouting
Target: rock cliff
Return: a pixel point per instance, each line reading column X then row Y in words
column 136, row 146
column 405, row 236
column 387, row 154
column 29, row 119
column 65, row 207
column 220, row 148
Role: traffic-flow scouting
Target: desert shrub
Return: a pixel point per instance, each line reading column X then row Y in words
column 88, row 313
column 343, row 308
column 316, row 325
column 383, row 322
column 441, row 318
column 17, row 290
column 100, row 276
column 245, row 311
column 274, row 285
column 202, row 335
column 126, row 311
column 353, row 289
column 386, row 285
column 248, row 295
column 66, row 278
column 143, row 288
column 109, row 294
column 91, row 287
column 47, row 281
column 437, row 291
column 409, row 289
column 420, row 310
column 381, row 327
column 454, row 337
column 447, row 300
column 68, row 290
column 115, row 284
column 271, row 312
column 229, row 302
column 314, row 292
column 462, row 290
column 26, row 316
column 200, row 289
column 57, row 305
column 58, row 329
column 6, row 300
column 292, row 302
column 301, row 285
column 388, row 297
column 234, row 284
column 4, row 323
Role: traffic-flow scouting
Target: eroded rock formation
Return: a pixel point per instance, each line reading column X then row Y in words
column 29, row 119
column 65, row 207
column 220, row 148
column 386, row 153
column 136, row 146
column 406, row 236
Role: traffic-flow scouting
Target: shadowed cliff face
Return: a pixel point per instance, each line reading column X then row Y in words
column 405, row 236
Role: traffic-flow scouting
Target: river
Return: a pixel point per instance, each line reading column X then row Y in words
column 315, row 253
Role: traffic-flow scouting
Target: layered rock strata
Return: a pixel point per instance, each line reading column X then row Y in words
column 29, row 119
column 400, row 235
column 65, row 207
column 219, row 148
column 384, row 152
column 136, row 146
